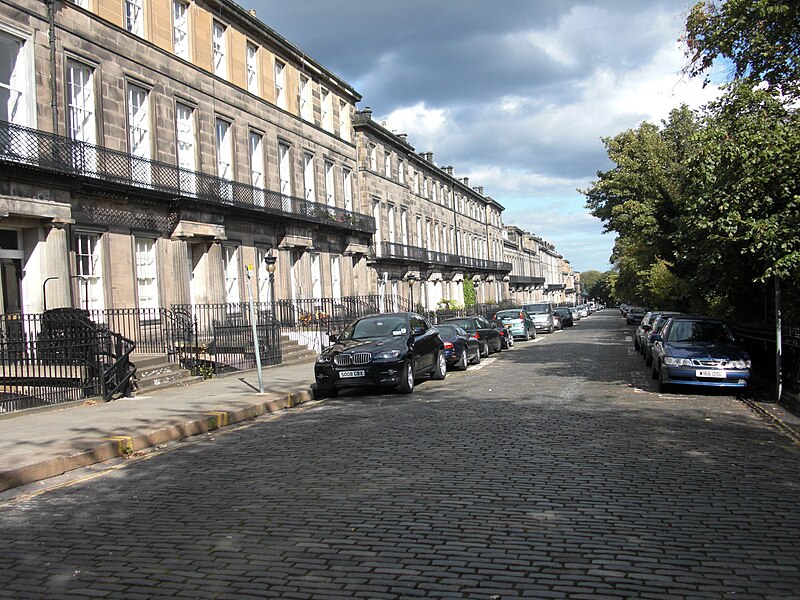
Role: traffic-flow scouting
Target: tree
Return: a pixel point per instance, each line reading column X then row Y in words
column 760, row 37
column 640, row 197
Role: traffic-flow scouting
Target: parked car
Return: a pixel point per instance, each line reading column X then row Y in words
column 387, row 350
column 542, row 315
column 642, row 330
column 699, row 351
column 576, row 314
column 657, row 324
column 483, row 331
column 557, row 320
column 565, row 313
column 518, row 322
column 634, row 315
column 460, row 349
column 506, row 338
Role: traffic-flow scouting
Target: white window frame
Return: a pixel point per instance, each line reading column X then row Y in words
column 280, row 84
column 230, row 257
column 391, row 219
column 401, row 170
column 345, row 126
column 330, row 184
column 373, row 157
column 336, row 277
column 186, row 146
column 251, row 65
column 316, row 276
column 309, row 177
column 327, row 109
column 223, row 136
column 219, row 48
column 89, row 269
column 347, row 177
column 139, row 133
column 19, row 81
column 306, row 98
column 255, row 143
column 146, row 272
column 134, row 17
column 82, row 126
column 285, row 175
column 387, row 163
column 180, row 29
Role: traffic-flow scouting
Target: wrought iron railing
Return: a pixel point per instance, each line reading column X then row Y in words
column 155, row 331
column 58, row 356
column 394, row 251
column 54, row 153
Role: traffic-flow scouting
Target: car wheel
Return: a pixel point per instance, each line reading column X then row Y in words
column 552, row 329
column 653, row 372
column 510, row 342
column 406, row 379
column 485, row 350
column 648, row 358
column 636, row 345
column 461, row 365
column 527, row 337
column 663, row 386
column 440, row 372
column 477, row 360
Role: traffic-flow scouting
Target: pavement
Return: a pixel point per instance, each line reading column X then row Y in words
column 42, row 443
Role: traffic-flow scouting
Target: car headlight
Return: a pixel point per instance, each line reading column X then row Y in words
column 387, row 355
column 740, row 364
column 324, row 359
column 677, row 362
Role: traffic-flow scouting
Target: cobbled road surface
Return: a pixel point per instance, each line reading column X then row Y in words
column 552, row 470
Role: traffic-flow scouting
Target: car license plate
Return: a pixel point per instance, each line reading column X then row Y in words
column 351, row 374
column 713, row 374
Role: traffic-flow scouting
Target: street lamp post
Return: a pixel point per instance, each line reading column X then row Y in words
column 411, row 279
column 271, row 261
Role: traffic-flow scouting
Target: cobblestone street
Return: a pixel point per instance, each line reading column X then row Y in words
column 552, row 470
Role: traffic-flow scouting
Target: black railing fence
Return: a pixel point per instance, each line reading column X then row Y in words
column 761, row 343
column 58, row 356
column 59, row 154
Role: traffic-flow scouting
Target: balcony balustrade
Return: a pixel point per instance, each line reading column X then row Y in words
column 412, row 254
column 43, row 151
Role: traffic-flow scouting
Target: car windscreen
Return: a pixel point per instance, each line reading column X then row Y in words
column 708, row 332
column 537, row 308
column 375, row 327
column 467, row 324
column 450, row 330
column 506, row 315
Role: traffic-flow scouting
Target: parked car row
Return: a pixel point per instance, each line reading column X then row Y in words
column 684, row 350
column 393, row 350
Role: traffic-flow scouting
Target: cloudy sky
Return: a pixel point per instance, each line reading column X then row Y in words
column 514, row 94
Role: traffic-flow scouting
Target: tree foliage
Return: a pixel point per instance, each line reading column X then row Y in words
column 761, row 38
column 706, row 206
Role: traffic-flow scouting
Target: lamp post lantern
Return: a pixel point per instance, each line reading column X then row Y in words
column 411, row 279
column 271, row 261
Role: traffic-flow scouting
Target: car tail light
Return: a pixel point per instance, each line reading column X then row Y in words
column 476, row 336
column 448, row 345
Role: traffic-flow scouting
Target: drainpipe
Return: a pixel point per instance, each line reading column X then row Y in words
column 51, row 18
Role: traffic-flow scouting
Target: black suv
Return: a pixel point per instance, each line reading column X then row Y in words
column 387, row 350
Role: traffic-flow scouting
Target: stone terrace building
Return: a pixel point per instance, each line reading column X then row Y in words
column 152, row 149
column 432, row 229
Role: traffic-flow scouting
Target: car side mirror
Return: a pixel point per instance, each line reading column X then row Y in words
column 333, row 338
column 656, row 337
column 646, row 327
column 419, row 331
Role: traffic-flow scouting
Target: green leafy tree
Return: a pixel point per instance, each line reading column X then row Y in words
column 470, row 297
column 761, row 38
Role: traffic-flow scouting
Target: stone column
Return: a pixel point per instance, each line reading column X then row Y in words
column 56, row 271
